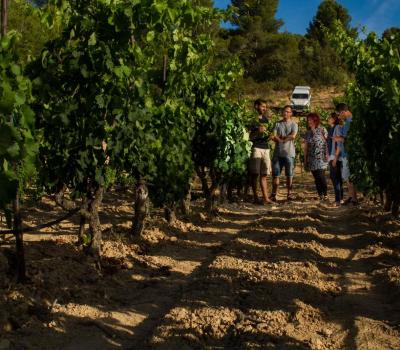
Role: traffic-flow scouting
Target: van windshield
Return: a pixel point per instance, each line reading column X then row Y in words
column 300, row 96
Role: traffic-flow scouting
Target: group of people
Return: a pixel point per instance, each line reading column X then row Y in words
column 323, row 149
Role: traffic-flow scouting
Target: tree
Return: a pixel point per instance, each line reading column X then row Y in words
column 256, row 15
column 374, row 138
column 81, row 83
column 207, row 3
column 389, row 32
column 320, row 61
column 4, row 17
column 219, row 143
column 39, row 2
column 256, row 22
column 328, row 12
column 17, row 140
column 27, row 21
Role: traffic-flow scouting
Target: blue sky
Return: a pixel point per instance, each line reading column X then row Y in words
column 375, row 15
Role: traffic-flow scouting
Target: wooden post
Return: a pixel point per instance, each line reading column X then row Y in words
column 3, row 17
column 165, row 62
column 19, row 240
column 17, row 224
column 141, row 207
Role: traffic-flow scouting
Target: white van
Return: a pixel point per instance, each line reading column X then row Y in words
column 300, row 100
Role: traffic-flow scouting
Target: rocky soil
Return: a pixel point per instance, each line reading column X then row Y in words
column 296, row 275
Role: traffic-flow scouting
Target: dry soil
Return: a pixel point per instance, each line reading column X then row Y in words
column 296, row 275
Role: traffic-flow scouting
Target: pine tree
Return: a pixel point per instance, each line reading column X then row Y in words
column 389, row 32
column 328, row 12
column 257, row 15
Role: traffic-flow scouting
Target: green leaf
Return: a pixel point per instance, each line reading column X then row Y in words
column 7, row 137
column 16, row 70
column 92, row 39
column 13, row 150
column 160, row 5
column 150, row 36
column 7, row 98
column 84, row 71
column 28, row 115
column 19, row 99
column 100, row 101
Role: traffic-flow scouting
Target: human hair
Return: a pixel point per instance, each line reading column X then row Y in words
column 315, row 118
column 335, row 117
column 259, row 101
column 287, row 106
column 342, row 107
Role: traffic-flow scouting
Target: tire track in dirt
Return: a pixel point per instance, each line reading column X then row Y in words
column 300, row 277
column 119, row 308
column 166, row 272
column 207, row 253
column 367, row 309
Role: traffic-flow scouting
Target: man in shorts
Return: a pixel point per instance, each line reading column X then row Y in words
column 284, row 134
column 260, row 162
column 346, row 117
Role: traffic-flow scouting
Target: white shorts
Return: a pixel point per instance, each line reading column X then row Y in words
column 345, row 169
column 260, row 161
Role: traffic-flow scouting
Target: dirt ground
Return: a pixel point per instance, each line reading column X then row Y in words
column 296, row 275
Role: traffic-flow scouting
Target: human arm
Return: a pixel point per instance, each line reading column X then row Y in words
column 338, row 134
column 275, row 137
column 262, row 128
column 290, row 137
column 339, row 138
column 259, row 128
column 337, row 153
column 293, row 133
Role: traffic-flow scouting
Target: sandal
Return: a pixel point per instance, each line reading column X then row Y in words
column 272, row 197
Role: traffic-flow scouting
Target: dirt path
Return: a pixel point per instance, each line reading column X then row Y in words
column 299, row 275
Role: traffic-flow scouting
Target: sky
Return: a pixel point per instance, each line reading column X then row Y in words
column 375, row 15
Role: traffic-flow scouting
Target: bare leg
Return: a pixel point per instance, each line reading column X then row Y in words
column 289, row 184
column 264, row 188
column 275, row 185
